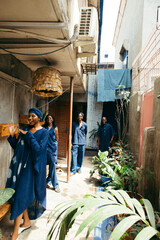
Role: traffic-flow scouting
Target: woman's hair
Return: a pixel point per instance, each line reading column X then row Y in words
column 46, row 123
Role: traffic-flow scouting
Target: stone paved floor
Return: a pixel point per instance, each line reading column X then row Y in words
column 78, row 186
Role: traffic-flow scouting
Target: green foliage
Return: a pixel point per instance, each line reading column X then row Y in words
column 93, row 132
column 104, row 205
column 120, row 166
column 5, row 195
column 122, row 112
column 100, row 163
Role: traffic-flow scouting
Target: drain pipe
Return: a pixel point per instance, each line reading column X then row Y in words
column 44, row 38
column 100, row 29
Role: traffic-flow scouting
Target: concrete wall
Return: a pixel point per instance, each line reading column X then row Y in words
column 94, row 110
column 15, row 99
column 147, row 188
column 156, row 124
column 151, row 153
column 134, row 123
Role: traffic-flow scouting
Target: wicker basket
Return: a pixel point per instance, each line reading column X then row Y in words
column 47, row 82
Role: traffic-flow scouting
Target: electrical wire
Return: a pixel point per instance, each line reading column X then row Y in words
column 36, row 54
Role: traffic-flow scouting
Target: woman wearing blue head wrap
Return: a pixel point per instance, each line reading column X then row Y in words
column 27, row 172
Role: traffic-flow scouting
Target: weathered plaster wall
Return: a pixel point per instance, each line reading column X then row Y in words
column 94, row 110
column 147, row 188
column 156, row 124
column 15, row 99
column 151, row 152
column 134, row 123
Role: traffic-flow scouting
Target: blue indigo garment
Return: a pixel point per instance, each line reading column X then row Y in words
column 52, row 145
column 78, row 146
column 52, row 151
column 77, row 157
column 37, row 112
column 79, row 133
column 27, row 173
column 105, row 133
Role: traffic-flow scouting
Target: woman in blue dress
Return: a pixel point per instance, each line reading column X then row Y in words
column 52, row 149
column 27, row 172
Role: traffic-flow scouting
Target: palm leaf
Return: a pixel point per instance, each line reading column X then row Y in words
column 59, row 207
column 146, row 233
column 118, row 195
column 127, row 199
column 102, row 213
column 106, row 195
column 56, row 224
column 123, row 226
column 139, row 208
column 104, row 205
column 150, row 213
column 66, row 225
column 93, row 203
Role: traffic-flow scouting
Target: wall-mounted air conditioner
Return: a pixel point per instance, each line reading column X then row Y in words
column 88, row 26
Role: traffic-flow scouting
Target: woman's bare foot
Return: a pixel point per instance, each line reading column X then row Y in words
column 26, row 224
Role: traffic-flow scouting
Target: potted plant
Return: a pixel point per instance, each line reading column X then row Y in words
column 105, row 205
column 101, row 165
column 120, row 167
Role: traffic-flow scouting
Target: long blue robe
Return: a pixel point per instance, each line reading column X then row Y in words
column 105, row 133
column 52, row 146
column 27, row 173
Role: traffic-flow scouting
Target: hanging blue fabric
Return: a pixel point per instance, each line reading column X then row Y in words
column 109, row 80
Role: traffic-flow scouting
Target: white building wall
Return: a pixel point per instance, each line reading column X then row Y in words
column 149, row 18
column 94, row 110
column 131, row 30
column 138, row 23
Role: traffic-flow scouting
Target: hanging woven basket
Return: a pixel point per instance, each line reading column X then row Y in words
column 47, row 82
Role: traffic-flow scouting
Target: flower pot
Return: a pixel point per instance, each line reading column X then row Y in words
column 105, row 180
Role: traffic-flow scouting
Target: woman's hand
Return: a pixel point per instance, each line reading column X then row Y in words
column 23, row 132
column 12, row 128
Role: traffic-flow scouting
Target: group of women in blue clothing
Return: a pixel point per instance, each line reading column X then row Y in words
column 33, row 149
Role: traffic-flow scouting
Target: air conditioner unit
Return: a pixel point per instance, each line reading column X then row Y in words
column 88, row 27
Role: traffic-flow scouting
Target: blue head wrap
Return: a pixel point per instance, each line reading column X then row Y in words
column 37, row 112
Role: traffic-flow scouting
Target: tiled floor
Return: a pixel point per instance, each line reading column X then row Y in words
column 78, row 186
